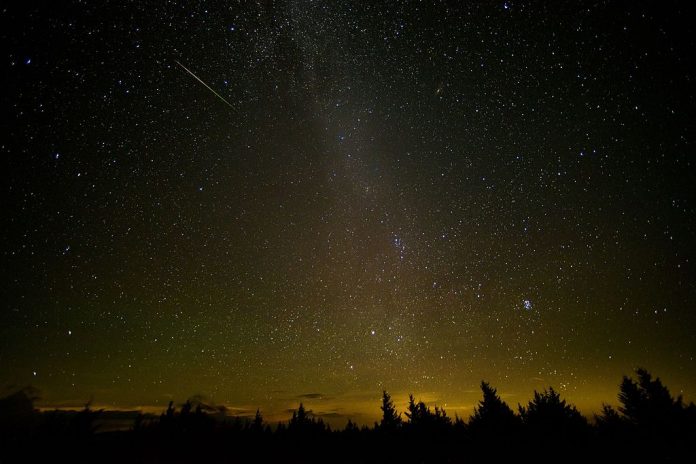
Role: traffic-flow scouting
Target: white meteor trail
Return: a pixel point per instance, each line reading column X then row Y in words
column 206, row 85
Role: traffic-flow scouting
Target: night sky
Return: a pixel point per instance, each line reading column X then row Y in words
column 265, row 203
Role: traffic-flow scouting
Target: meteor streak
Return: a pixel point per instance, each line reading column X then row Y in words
column 206, row 85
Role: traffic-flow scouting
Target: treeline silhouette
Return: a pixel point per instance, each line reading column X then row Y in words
column 650, row 425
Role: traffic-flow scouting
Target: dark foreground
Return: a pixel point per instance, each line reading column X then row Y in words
column 649, row 426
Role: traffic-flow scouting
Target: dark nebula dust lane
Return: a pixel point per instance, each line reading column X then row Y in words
column 272, row 202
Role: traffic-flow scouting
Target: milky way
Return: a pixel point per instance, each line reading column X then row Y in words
column 409, row 196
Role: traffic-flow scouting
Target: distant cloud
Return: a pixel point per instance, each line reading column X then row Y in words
column 331, row 415
column 206, row 405
column 240, row 412
column 311, row 396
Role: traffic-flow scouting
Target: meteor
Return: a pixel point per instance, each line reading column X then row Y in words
column 206, row 85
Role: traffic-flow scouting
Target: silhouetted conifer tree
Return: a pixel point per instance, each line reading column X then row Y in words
column 610, row 424
column 609, row 417
column 492, row 415
column 301, row 422
column 169, row 414
column 647, row 405
column 391, row 420
column 351, row 428
column 257, row 425
column 413, row 410
column 420, row 416
column 548, row 414
column 299, row 417
column 647, row 402
column 186, row 408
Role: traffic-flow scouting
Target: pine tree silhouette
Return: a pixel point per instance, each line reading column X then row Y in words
column 351, row 428
column 421, row 417
column 610, row 424
column 647, row 402
column 550, row 415
column 299, row 417
column 492, row 416
column 257, row 424
column 391, row 420
column 647, row 405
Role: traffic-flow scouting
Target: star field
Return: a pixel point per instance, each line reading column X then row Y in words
column 411, row 195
